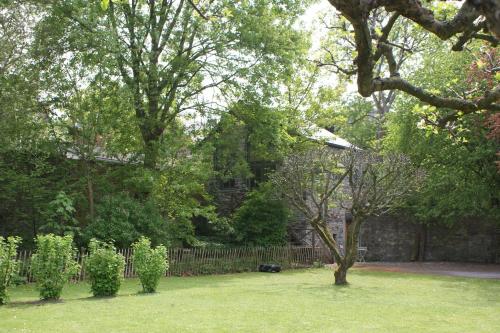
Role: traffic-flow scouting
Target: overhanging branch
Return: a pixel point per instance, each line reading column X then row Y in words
column 490, row 101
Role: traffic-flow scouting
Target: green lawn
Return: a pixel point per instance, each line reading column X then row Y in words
column 292, row 301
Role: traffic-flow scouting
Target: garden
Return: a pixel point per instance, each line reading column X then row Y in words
column 230, row 166
column 291, row 301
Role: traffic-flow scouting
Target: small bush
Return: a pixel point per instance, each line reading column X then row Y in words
column 105, row 268
column 8, row 264
column 53, row 264
column 149, row 263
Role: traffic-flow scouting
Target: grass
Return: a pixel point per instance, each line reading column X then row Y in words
column 292, row 301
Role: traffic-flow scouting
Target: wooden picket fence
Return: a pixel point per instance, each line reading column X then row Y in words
column 201, row 261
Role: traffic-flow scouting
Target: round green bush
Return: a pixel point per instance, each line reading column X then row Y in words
column 53, row 264
column 150, row 264
column 104, row 267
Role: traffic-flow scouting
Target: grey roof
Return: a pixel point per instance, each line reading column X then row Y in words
column 321, row 134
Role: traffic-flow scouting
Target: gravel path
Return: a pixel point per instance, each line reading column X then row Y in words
column 483, row 271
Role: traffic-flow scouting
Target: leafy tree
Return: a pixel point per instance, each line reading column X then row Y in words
column 180, row 186
column 461, row 178
column 362, row 183
column 150, row 264
column 60, row 216
column 169, row 54
column 249, row 135
column 53, row 264
column 122, row 220
column 262, row 218
column 97, row 123
column 442, row 20
column 21, row 125
column 8, row 264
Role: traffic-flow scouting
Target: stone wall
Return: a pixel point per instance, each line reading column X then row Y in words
column 390, row 238
column 474, row 241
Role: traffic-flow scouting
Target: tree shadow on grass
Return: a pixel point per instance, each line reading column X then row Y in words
column 38, row 302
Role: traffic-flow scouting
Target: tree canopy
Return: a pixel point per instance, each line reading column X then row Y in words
column 170, row 118
column 372, row 26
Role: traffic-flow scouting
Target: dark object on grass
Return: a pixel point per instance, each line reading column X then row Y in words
column 269, row 268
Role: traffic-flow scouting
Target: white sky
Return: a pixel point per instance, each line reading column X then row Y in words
column 310, row 21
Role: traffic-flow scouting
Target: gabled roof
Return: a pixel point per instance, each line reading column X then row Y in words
column 323, row 135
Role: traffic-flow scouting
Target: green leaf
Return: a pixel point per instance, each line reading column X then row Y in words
column 104, row 4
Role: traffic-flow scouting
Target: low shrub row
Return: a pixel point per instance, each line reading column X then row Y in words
column 53, row 264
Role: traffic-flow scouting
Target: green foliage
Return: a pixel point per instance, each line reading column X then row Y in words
column 461, row 179
column 262, row 219
column 104, row 4
column 150, row 264
column 53, row 264
column 8, row 264
column 253, row 41
column 121, row 220
column 27, row 181
column 249, row 134
column 60, row 216
column 180, row 189
column 104, row 267
column 181, row 232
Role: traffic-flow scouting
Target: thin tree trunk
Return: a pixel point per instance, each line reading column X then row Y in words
column 422, row 244
column 418, row 253
column 90, row 191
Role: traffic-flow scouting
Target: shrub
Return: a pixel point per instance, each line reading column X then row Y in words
column 60, row 216
column 149, row 263
column 53, row 264
column 8, row 264
column 262, row 219
column 121, row 219
column 105, row 268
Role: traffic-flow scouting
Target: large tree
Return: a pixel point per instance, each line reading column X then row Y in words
column 470, row 20
column 177, row 56
column 362, row 183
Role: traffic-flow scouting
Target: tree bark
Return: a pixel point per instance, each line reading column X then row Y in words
column 423, row 242
column 90, row 190
column 418, row 252
column 150, row 154
column 358, row 12
column 340, row 275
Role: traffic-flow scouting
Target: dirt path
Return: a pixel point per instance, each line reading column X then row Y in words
column 483, row 271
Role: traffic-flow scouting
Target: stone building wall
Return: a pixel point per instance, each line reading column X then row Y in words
column 390, row 238
column 471, row 240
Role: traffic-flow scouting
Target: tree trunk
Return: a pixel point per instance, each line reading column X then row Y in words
column 340, row 275
column 422, row 243
column 90, row 190
column 150, row 154
column 418, row 252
